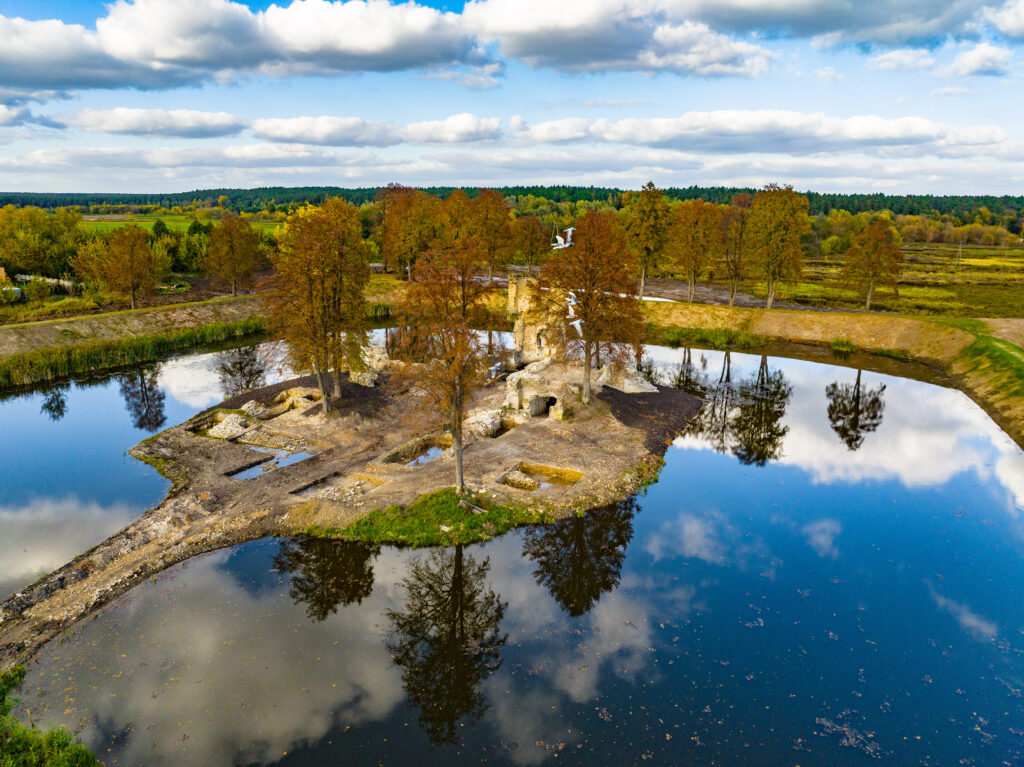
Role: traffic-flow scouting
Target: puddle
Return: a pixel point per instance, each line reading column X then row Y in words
column 420, row 451
column 534, row 476
column 280, row 458
column 427, row 456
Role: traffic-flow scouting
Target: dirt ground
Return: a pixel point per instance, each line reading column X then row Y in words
column 360, row 462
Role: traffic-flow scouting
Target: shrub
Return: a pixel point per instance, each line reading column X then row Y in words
column 37, row 289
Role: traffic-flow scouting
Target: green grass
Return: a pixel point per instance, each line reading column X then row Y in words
column 720, row 338
column 58, row 362
column 420, row 523
column 55, row 307
column 147, row 220
column 1001, row 360
column 843, row 347
column 22, row 746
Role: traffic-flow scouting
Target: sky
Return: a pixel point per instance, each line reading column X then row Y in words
column 894, row 96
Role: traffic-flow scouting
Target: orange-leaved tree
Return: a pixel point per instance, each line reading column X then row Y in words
column 411, row 221
column 598, row 274
column 125, row 263
column 694, row 240
column 436, row 314
column 647, row 221
column 529, row 243
column 315, row 298
column 235, row 252
column 778, row 221
column 491, row 222
column 874, row 258
column 735, row 242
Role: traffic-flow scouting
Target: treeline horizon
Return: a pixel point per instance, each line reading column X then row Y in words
column 1010, row 208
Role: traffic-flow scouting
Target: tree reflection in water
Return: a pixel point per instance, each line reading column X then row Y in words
column 854, row 410
column 745, row 420
column 142, row 397
column 757, row 428
column 447, row 641
column 55, row 403
column 326, row 574
column 579, row 559
column 688, row 377
column 241, row 370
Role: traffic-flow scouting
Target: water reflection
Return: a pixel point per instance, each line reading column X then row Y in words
column 580, row 558
column 326, row 574
column 447, row 640
column 143, row 397
column 744, row 419
column 241, row 370
column 854, row 410
column 55, row 403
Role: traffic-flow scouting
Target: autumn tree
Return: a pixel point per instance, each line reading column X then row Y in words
column 411, row 220
column 439, row 310
column 734, row 254
column 778, row 220
column 490, row 227
column 235, row 252
column 757, row 428
column 647, row 220
column 599, row 270
column 874, row 258
column 528, row 241
column 694, row 240
column 315, row 296
column 125, row 263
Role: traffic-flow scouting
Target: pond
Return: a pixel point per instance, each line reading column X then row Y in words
column 829, row 571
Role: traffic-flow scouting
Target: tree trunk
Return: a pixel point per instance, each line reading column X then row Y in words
column 597, row 354
column 732, row 292
column 586, row 372
column 771, row 294
column 460, row 483
column 490, row 342
column 691, row 287
column 323, row 392
column 337, row 384
column 871, row 289
column 643, row 281
column 234, row 289
column 131, row 292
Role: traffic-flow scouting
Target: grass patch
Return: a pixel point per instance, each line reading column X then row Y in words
column 842, row 347
column 1001, row 360
column 896, row 354
column 972, row 326
column 58, row 362
column 22, row 746
column 420, row 523
column 713, row 338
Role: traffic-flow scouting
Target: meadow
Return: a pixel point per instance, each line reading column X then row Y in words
column 147, row 220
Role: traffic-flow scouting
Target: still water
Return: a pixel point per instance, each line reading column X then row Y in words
column 828, row 572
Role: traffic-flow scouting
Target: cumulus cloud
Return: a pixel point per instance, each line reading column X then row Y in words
column 167, row 43
column 902, row 60
column 983, row 59
column 766, row 131
column 1008, row 19
column 180, row 123
column 10, row 116
column 603, row 35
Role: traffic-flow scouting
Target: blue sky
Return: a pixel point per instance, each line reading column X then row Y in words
column 912, row 96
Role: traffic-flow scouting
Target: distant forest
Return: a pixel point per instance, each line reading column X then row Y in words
column 964, row 207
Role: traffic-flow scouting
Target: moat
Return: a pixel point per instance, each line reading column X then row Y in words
column 822, row 574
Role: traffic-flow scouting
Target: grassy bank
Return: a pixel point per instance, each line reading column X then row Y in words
column 435, row 519
column 22, row 746
column 59, row 362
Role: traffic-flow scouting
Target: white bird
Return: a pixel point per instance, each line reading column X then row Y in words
column 572, row 312
column 564, row 242
column 571, row 298
column 493, row 370
column 576, row 324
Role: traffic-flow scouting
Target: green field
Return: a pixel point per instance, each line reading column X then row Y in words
column 146, row 220
column 988, row 282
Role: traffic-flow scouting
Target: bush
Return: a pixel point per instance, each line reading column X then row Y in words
column 37, row 289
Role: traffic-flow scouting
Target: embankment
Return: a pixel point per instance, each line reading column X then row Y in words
column 45, row 351
column 981, row 357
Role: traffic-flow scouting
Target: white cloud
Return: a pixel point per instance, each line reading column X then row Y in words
column 1008, row 19
column 829, row 74
column 766, row 131
column 983, row 59
column 354, row 131
column 969, row 621
column 605, row 35
column 902, row 60
column 821, row 536
column 10, row 116
column 182, row 123
column 955, row 90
